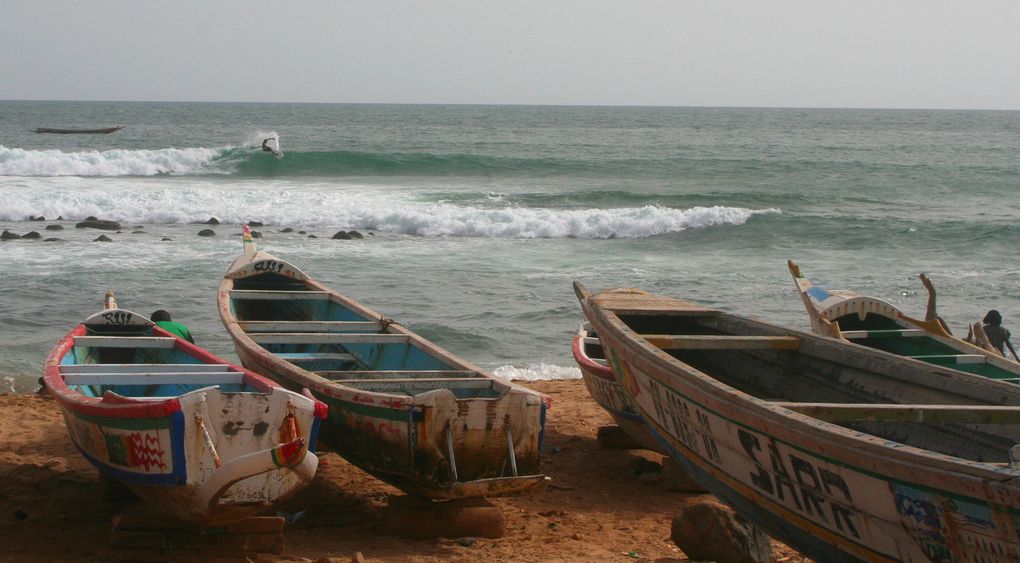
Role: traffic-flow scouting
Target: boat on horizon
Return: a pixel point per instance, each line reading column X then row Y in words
column 191, row 434
column 875, row 323
column 401, row 408
column 842, row 452
column 75, row 131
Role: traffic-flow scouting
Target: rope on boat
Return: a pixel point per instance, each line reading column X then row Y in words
column 510, row 446
column 208, row 441
column 449, row 450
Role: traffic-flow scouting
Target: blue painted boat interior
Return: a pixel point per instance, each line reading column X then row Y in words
column 120, row 359
column 332, row 359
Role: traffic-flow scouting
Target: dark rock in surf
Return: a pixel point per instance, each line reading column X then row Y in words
column 61, row 218
column 312, row 236
column 286, row 230
column 34, row 218
column 7, row 235
column 52, row 239
column 342, row 235
column 91, row 218
column 54, row 227
column 255, row 224
column 102, row 238
column 32, row 235
column 207, row 233
column 138, row 232
column 164, row 239
column 302, row 233
column 355, row 234
column 98, row 224
column 256, row 234
column 212, row 221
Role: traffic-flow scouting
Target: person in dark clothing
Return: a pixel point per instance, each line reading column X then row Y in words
column 266, row 147
column 162, row 320
column 997, row 334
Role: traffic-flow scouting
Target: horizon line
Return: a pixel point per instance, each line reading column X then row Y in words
column 490, row 104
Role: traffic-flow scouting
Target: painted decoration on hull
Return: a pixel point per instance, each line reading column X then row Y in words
column 136, row 450
column 829, row 499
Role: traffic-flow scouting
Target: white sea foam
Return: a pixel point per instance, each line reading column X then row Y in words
column 396, row 212
column 115, row 162
column 536, row 372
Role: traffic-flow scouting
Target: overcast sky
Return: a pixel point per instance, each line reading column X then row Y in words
column 889, row 53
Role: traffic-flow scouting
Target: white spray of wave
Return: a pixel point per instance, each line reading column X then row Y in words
column 536, row 372
column 115, row 162
column 388, row 212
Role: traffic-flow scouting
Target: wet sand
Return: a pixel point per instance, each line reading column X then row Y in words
column 597, row 509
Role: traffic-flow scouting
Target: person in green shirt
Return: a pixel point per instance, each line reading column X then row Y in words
column 162, row 320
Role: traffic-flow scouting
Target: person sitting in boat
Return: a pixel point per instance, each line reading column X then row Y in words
column 162, row 320
column 931, row 313
column 997, row 334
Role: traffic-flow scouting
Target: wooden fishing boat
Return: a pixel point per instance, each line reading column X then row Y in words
column 193, row 435
column 875, row 323
column 843, row 452
column 602, row 386
column 401, row 408
column 100, row 131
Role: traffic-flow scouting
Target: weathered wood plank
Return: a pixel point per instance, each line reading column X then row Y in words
column 861, row 412
column 148, row 368
column 439, row 383
column 157, row 378
column 295, row 357
column 125, row 341
column 310, row 326
column 279, row 295
column 891, row 333
column 326, row 338
column 721, row 342
column 396, row 374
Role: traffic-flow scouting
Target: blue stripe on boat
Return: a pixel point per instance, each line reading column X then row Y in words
column 818, row 293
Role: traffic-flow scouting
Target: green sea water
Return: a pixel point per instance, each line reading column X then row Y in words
column 481, row 216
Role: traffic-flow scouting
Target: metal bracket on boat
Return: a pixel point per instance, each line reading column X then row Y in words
column 208, row 440
column 510, row 445
column 449, row 451
column 1014, row 458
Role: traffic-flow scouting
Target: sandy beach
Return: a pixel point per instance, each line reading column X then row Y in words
column 596, row 510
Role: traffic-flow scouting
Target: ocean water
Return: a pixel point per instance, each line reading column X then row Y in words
column 478, row 218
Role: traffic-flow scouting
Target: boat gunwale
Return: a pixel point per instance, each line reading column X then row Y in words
column 119, row 406
column 338, row 391
column 765, row 417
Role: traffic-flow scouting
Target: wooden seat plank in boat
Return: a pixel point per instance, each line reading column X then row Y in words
column 397, row 374
column 859, row 412
column 885, row 333
column 311, row 357
column 637, row 302
column 310, row 326
column 279, row 295
column 953, row 358
column 148, row 368
column 158, row 378
column 459, row 382
column 721, row 342
column 327, row 338
column 125, row 341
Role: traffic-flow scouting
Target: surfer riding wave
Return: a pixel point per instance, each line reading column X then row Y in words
column 272, row 144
